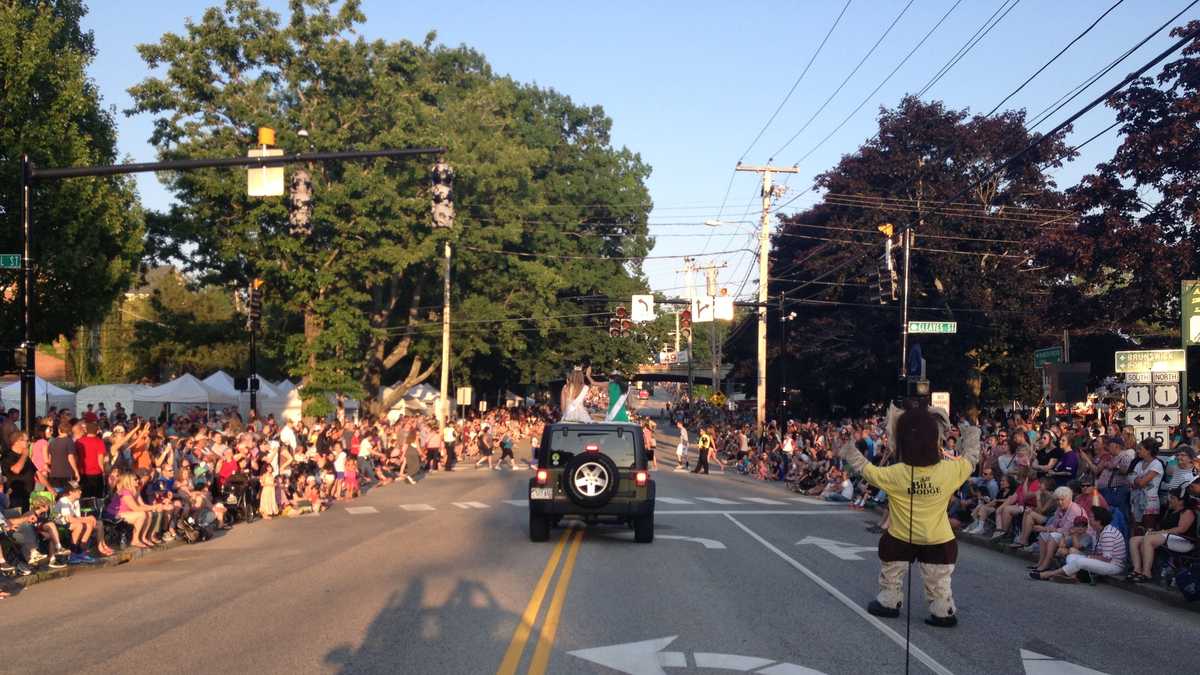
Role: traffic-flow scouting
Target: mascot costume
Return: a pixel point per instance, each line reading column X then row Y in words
column 919, row 488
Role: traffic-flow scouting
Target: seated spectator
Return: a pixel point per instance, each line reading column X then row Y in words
column 39, row 505
column 1106, row 559
column 131, row 509
column 983, row 512
column 1038, row 515
column 82, row 527
column 1177, row 531
column 839, row 488
column 1023, row 498
column 1057, row 527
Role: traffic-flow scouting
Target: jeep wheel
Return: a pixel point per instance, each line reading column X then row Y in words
column 643, row 529
column 590, row 479
column 539, row 527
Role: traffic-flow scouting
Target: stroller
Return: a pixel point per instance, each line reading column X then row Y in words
column 239, row 495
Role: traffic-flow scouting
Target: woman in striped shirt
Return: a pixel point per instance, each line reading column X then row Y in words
column 1107, row 559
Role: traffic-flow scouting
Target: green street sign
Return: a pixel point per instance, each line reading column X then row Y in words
column 1048, row 355
column 932, row 327
column 1189, row 301
column 10, row 261
column 1152, row 361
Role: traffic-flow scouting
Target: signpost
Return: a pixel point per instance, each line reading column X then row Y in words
column 1046, row 356
column 1152, row 361
column 940, row 399
column 10, row 261
column 944, row 327
column 1153, row 391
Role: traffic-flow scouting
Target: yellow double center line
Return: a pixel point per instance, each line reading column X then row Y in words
column 541, row 653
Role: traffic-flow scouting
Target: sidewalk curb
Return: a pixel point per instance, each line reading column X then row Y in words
column 121, row 557
column 1147, row 590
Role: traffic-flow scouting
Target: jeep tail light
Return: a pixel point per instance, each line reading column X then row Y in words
column 542, row 476
column 592, row 447
column 640, row 478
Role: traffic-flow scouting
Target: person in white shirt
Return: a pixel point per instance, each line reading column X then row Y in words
column 449, row 438
column 287, row 435
column 681, row 450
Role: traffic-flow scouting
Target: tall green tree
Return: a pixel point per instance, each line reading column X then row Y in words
column 972, row 262
column 87, row 231
column 362, row 289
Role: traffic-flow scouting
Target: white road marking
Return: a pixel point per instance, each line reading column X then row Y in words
column 672, row 500
column 729, row 661
column 1040, row 664
column 764, row 500
column 517, row 502
column 717, row 500
column 416, row 507
column 711, row 544
column 471, row 505
column 360, row 510
column 809, row 500
column 838, row 548
column 920, row 654
column 722, row 512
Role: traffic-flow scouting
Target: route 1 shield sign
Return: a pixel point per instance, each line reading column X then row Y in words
column 1137, row 396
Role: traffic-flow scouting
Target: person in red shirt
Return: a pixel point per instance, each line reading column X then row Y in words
column 90, row 416
column 92, row 459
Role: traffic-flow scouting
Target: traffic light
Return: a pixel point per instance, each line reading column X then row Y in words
column 255, row 303
column 888, row 278
column 441, row 179
column 620, row 324
column 685, row 324
column 300, row 204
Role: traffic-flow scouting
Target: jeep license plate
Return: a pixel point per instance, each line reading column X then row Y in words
column 541, row 493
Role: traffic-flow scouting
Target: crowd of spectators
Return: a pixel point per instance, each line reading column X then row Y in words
column 86, row 485
column 1086, row 498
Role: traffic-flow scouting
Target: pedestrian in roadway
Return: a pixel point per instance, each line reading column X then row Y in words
column 486, row 441
column 921, row 484
column 506, row 450
column 703, row 449
column 681, row 450
column 449, row 437
column 650, row 442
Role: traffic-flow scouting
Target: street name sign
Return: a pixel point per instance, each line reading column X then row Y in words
column 1042, row 357
column 10, row 261
column 932, row 327
column 1151, row 361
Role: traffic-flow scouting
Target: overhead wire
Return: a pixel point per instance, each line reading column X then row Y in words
column 977, row 37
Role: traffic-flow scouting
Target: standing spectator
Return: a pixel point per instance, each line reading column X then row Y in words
column 1114, row 466
column 18, row 469
column 449, row 439
column 1147, row 474
column 92, row 460
column 64, row 466
column 681, row 450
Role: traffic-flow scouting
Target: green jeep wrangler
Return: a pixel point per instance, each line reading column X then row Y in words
column 592, row 471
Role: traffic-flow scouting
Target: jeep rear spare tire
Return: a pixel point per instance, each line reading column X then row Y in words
column 590, row 479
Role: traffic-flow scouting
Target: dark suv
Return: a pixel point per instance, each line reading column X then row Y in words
column 593, row 471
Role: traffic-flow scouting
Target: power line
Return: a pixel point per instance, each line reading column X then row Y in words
column 1030, row 210
column 844, row 81
column 931, row 236
column 985, row 28
column 885, row 81
column 525, row 254
column 794, row 84
column 1055, row 57
column 953, row 212
column 915, row 248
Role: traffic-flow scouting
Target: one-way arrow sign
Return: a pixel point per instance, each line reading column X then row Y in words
column 1140, row 417
column 838, row 548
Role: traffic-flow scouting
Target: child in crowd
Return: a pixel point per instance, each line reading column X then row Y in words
column 350, row 479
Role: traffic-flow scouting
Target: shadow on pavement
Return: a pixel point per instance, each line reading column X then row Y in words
column 466, row 633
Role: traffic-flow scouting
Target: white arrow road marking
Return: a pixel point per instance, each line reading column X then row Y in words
column 647, row 658
column 711, row 544
column 471, row 505
column 729, row 661
column 360, row 510
column 764, row 500
column 517, row 502
column 717, row 500
column 838, row 548
column 672, row 500
column 416, row 507
column 1040, row 664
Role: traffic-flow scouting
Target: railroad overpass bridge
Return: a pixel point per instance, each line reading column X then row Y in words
column 678, row 372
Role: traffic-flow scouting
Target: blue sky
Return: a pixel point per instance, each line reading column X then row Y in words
column 688, row 85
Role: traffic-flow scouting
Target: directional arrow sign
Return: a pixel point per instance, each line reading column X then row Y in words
column 1139, row 418
column 1166, row 418
column 1166, row 395
column 1039, row 664
column 1137, row 395
column 838, row 548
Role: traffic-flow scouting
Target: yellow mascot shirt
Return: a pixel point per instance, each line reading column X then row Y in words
column 926, row 491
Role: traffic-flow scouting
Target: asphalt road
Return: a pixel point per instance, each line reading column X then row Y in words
column 441, row 578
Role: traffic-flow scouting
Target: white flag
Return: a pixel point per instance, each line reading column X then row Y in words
column 702, row 309
column 724, row 309
column 643, row 308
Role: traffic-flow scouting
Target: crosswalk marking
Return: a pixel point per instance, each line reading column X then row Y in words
column 672, row 500
column 764, row 500
column 416, row 507
column 516, row 502
column 808, row 500
column 471, row 505
column 360, row 510
column 717, row 500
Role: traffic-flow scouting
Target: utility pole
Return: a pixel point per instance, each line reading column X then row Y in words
column 442, row 178
column 764, row 253
column 710, row 287
column 689, row 266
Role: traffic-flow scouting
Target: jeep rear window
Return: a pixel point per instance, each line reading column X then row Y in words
column 618, row 444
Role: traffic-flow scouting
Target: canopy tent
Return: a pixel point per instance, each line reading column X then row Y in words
column 184, row 390
column 221, row 381
column 47, row 396
column 108, row 394
column 284, row 386
column 289, row 405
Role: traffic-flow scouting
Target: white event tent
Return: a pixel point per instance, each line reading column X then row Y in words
column 184, row 390
column 108, row 394
column 47, row 396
